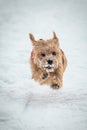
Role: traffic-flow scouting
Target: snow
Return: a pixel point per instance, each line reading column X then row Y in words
column 24, row 104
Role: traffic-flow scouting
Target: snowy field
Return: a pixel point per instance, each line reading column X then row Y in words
column 24, row 104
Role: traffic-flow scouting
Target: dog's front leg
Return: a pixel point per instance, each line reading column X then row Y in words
column 57, row 81
column 37, row 74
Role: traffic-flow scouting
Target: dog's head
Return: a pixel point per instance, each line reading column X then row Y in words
column 46, row 53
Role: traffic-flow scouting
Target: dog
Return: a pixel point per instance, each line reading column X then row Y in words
column 48, row 62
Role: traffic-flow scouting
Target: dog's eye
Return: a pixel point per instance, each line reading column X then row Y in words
column 42, row 54
column 54, row 53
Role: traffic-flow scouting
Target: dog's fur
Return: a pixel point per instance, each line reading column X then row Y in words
column 48, row 61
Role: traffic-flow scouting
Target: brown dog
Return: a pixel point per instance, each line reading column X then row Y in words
column 48, row 61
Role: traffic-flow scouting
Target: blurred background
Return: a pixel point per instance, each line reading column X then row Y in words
column 24, row 104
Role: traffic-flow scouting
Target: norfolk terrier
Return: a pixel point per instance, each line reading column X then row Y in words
column 48, row 61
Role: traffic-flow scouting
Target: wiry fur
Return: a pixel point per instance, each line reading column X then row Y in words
column 43, row 51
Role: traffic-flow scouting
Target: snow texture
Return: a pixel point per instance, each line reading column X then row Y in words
column 24, row 104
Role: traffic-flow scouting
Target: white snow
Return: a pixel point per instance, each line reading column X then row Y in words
column 24, row 104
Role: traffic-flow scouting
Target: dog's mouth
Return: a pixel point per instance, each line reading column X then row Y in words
column 49, row 68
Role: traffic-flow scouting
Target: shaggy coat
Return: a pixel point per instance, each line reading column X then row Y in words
column 48, row 62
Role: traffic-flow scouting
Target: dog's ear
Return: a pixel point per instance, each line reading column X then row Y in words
column 32, row 38
column 54, row 36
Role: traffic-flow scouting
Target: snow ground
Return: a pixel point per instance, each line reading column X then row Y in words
column 24, row 104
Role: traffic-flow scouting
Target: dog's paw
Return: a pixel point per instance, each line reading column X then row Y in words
column 45, row 76
column 55, row 86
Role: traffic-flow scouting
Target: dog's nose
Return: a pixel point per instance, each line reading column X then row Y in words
column 50, row 62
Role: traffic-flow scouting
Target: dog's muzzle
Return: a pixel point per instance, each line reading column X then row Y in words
column 50, row 62
column 49, row 68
